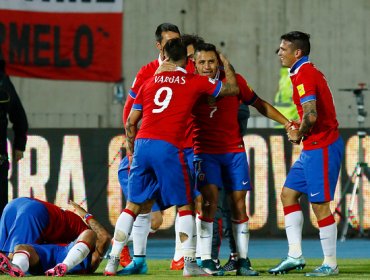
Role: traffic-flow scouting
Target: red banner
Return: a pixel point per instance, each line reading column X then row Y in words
column 62, row 41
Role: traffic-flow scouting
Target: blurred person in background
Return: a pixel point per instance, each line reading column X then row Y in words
column 284, row 98
column 10, row 108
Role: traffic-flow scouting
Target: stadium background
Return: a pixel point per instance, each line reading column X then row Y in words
column 82, row 164
column 72, row 63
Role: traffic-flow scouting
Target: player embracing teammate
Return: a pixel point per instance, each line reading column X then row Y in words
column 164, row 104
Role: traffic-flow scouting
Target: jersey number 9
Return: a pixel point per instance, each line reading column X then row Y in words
column 166, row 100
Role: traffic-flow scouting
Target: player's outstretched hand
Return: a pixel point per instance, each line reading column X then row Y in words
column 292, row 125
column 80, row 211
column 294, row 135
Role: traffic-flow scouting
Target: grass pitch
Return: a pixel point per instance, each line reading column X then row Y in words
column 159, row 269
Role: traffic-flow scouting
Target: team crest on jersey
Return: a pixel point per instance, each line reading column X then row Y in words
column 300, row 89
column 201, row 177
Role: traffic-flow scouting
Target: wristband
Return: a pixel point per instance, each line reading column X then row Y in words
column 88, row 217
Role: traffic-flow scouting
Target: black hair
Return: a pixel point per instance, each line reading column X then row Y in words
column 192, row 39
column 207, row 47
column 165, row 27
column 299, row 39
column 175, row 49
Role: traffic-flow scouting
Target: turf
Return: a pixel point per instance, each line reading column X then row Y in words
column 159, row 269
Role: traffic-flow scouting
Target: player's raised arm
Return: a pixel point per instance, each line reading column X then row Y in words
column 230, row 87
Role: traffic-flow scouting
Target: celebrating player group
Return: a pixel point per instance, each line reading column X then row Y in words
column 188, row 152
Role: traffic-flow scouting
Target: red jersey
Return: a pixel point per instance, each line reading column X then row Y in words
column 64, row 226
column 145, row 72
column 188, row 142
column 310, row 84
column 216, row 128
column 166, row 101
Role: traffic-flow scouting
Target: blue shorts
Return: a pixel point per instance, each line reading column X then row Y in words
column 230, row 171
column 165, row 163
column 22, row 222
column 123, row 171
column 189, row 158
column 316, row 172
column 50, row 255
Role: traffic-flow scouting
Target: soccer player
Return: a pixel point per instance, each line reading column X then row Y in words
column 163, row 33
column 150, row 218
column 220, row 158
column 81, row 256
column 316, row 171
column 222, row 224
column 164, row 102
column 191, row 42
column 29, row 220
column 142, row 225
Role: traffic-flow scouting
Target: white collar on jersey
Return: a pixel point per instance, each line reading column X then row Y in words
column 180, row 69
column 160, row 59
column 217, row 75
